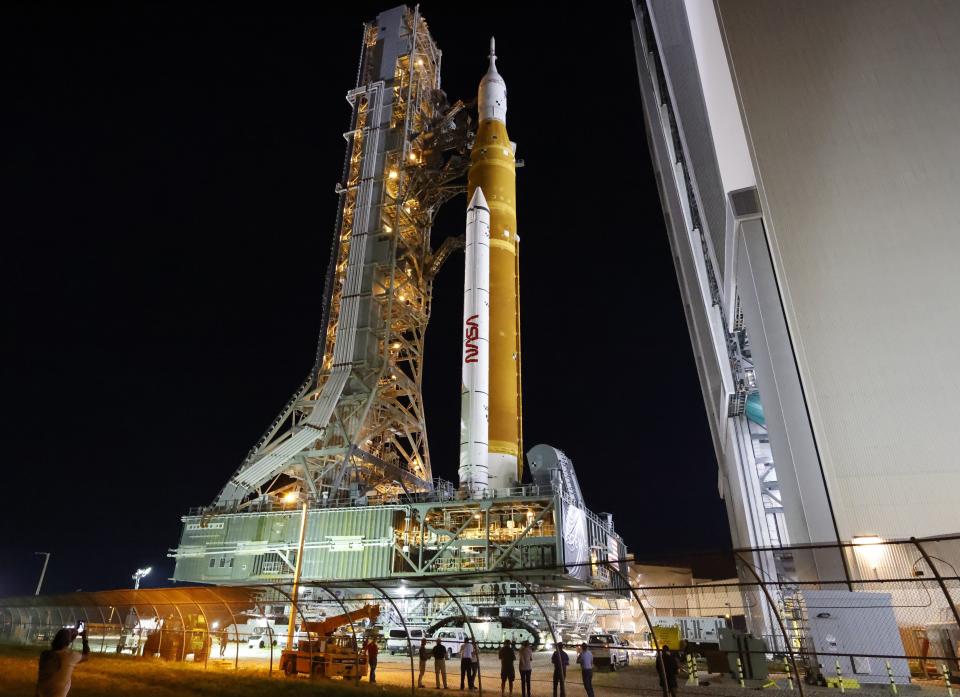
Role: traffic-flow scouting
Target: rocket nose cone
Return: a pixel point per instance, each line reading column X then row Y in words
column 478, row 199
column 492, row 95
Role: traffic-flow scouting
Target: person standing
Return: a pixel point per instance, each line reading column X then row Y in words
column 525, row 664
column 560, row 661
column 372, row 650
column 585, row 659
column 507, row 658
column 222, row 638
column 667, row 669
column 424, row 656
column 466, row 664
column 440, row 663
column 57, row 663
column 475, row 668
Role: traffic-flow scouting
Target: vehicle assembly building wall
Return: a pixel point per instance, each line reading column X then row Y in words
column 674, row 109
column 820, row 302
column 851, row 112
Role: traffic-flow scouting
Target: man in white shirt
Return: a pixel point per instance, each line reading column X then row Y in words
column 585, row 659
column 466, row 663
column 525, row 664
column 58, row 662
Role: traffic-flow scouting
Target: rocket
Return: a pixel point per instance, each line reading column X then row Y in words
column 492, row 178
column 474, row 479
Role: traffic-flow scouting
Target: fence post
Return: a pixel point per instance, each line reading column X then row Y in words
column 236, row 627
column 403, row 621
column 533, row 595
column 206, row 636
column 463, row 612
column 893, row 684
column 646, row 617
column 783, row 629
column 103, row 630
column 943, row 586
column 294, row 608
column 353, row 628
column 270, row 639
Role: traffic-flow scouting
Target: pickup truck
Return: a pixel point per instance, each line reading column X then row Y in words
column 608, row 650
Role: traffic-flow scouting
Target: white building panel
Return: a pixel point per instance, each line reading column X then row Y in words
column 852, row 113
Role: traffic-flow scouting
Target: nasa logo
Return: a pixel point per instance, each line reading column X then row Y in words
column 472, row 334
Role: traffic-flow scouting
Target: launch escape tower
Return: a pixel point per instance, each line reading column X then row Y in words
column 351, row 444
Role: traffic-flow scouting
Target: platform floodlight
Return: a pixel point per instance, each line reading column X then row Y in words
column 867, row 540
column 139, row 574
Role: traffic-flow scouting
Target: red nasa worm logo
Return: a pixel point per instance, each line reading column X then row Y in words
column 472, row 334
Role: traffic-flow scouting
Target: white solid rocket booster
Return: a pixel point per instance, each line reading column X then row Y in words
column 474, row 404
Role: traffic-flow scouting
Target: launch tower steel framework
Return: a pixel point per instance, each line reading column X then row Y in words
column 356, row 425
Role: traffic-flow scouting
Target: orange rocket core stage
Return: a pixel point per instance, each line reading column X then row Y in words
column 493, row 169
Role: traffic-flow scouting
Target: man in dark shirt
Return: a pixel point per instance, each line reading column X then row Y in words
column 507, row 658
column 424, row 655
column 440, row 663
column 560, row 661
column 667, row 669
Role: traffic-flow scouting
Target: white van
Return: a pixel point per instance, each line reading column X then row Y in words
column 397, row 640
column 452, row 639
column 608, row 651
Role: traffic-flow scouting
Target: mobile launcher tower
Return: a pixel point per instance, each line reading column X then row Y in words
column 352, row 443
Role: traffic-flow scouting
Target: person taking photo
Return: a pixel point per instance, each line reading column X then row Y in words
column 57, row 662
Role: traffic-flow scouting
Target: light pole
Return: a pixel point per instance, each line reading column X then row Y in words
column 291, row 625
column 139, row 574
column 43, row 572
column 402, row 592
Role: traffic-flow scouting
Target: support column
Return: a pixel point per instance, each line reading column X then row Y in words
column 403, row 621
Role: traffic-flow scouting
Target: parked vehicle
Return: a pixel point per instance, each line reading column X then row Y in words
column 261, row 637
column 452, row 639
column 489, row 635
column 695, row 633
column 609, row 650
column 397, row 641
column 325, row 654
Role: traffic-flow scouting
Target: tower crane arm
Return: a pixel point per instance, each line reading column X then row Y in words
column 328, row 625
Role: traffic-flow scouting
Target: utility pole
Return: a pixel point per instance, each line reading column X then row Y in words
column 291, row 625
column 43, row 572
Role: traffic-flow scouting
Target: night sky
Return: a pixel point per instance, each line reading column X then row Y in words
column 168, row 192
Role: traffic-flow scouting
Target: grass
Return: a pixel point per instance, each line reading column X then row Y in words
column 106, row 675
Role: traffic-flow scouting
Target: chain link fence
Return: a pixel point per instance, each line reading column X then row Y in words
column 870, row 616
